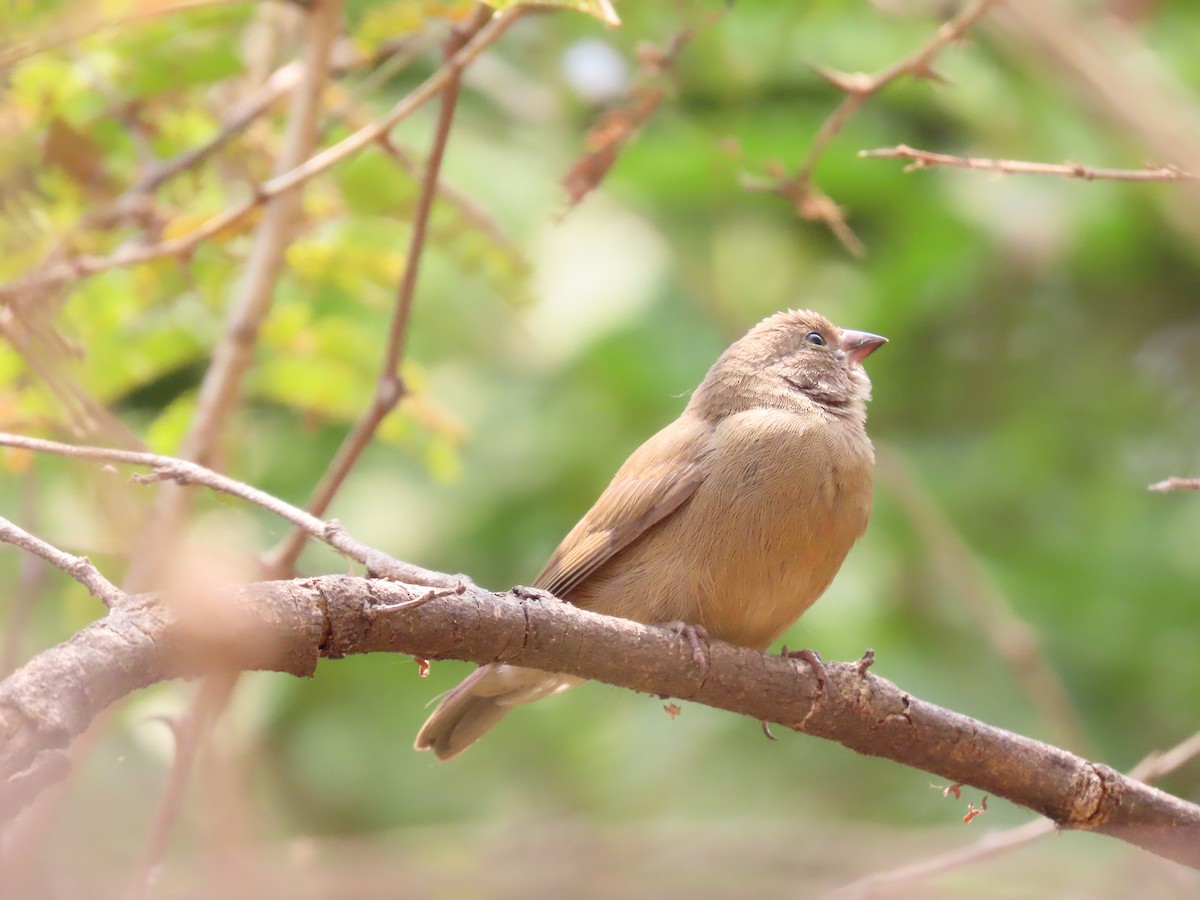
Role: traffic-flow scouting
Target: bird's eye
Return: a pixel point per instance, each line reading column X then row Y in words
column 815, row 339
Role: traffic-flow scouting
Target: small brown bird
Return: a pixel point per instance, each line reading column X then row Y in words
column 733, row 519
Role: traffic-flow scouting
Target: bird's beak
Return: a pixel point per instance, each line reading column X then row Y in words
column 860, row 344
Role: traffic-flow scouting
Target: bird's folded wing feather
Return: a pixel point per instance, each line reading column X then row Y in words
column 655, row 481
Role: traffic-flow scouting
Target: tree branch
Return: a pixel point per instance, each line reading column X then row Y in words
column 188, row 473
column 923, row 159
column 78, row 567
column 813, row 204
column 288, row 626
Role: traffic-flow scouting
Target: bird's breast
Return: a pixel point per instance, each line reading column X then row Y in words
column 785, row 498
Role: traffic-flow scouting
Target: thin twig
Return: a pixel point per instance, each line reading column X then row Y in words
column 1149, row 770
column 189, row 473
column 390, row 388
column 73, row 270
column 78, row 567
column 811, row 203
column 923, row 159
column 1175, row 484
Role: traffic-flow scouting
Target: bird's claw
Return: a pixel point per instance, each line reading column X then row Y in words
column 521, row 592
column 696, row 637
column 813, row 658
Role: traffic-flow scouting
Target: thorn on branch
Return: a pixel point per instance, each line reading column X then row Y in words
column 867, row 660
column 856, row 84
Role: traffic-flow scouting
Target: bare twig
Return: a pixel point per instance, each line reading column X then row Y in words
column 1013, row 639
column 883, row 884
column 184, row 472
column 390, row 388
column 78, row 567
column 72, row 270
column 289, row 625
column 1175, row 484
column 811, row 203
column 923, row 159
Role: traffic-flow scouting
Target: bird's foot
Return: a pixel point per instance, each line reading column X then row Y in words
column 766, row 726
column 813, row 658
column 696, row 636
column 521, row 592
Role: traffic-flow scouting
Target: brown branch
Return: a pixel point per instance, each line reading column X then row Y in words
column 164, row 468
column 73, row 270
column 289, row 626
column 923, row 159
column 389, row 388
column 1149, row 770
column 78, row 567
column 1175, row 484
column 811, row 203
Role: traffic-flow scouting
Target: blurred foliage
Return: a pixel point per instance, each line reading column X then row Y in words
column 1044, row 366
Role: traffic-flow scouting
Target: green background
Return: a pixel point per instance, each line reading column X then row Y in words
column 1043, row 368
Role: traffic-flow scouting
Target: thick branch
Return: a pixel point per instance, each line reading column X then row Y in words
column 288, row 626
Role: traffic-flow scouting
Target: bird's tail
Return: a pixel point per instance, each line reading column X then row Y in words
column 480, row 701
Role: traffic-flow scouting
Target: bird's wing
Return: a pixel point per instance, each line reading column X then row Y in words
column 656, row 480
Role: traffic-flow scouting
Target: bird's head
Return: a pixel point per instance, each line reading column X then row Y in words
column 797, row 356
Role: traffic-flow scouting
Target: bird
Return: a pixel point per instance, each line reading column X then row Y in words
column 728, row 523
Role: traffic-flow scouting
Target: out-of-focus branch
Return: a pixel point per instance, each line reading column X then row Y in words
column 811, row 203
column 1013, row 639
column 389, row 387
column 288, row 626
column 60, row 273
column 234, row 353
column 1175, row 484
column 924, row 159
column 1149, row 770
column 167, row 468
